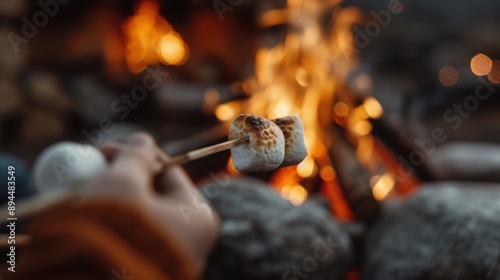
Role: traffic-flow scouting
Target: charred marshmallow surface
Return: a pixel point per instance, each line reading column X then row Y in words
column 266, row 147
column 295, row 148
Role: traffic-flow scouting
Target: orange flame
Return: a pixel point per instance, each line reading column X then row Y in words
column 299, row 76
column 150, row 39
column 302, row 75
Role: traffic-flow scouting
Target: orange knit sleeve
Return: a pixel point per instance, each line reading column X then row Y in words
column 101, row 240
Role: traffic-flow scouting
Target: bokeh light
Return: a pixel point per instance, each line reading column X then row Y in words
column 448, row 76
column 494, row 75
column 481, row 65
column 341, row 109
column 373, row 108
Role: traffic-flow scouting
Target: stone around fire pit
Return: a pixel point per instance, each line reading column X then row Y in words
column 264, row 237
column 445, row 231
column 466, row 161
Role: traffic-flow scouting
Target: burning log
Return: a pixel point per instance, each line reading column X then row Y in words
column 400, row 145
column 353, row 178
column 194, row 99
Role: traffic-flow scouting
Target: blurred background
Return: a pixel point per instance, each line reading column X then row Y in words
column 392, row 93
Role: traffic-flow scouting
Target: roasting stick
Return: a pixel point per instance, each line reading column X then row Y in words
column 267, row 149
column 203, row 152
column 57, row 197
column 60, row 196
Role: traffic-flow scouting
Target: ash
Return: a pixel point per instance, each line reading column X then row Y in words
column 264, row 236
column 445, row 231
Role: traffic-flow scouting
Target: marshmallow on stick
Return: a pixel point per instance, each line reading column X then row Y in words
column 265, row 149
column 257, row 145
column 295, row 147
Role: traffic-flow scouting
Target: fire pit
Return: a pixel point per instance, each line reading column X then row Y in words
column 397, row 100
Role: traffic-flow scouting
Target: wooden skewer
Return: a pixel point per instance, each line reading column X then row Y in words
column 203, row 152
column 59, row 196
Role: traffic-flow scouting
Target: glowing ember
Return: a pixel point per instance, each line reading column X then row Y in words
column 448, row 76
column 383, row 186
column 150, row 39
column 295, row 193
column 481, row 65
column 373, row 108
column 357, row 114
column 341, row 109
column 306, row 168
column 172, row 49
column 494, row 75
column 365, row 149
column 327, row 173
column 227, row 111
column 362, row 128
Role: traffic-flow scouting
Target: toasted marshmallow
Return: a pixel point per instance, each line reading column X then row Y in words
column 295, row 147
column 265, row 149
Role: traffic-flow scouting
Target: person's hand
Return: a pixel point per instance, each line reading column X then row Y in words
column 179, row 207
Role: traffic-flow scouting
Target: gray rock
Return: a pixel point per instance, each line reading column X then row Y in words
column 445, row 231
column 466, row 161
column 264, row 236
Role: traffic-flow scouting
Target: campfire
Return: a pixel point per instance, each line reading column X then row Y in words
column 150, row 39
column 305, row 74
column 390, row 123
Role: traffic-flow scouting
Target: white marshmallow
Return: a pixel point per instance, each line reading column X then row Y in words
column 266, row 147
column 295, row 147
column 67, row 163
